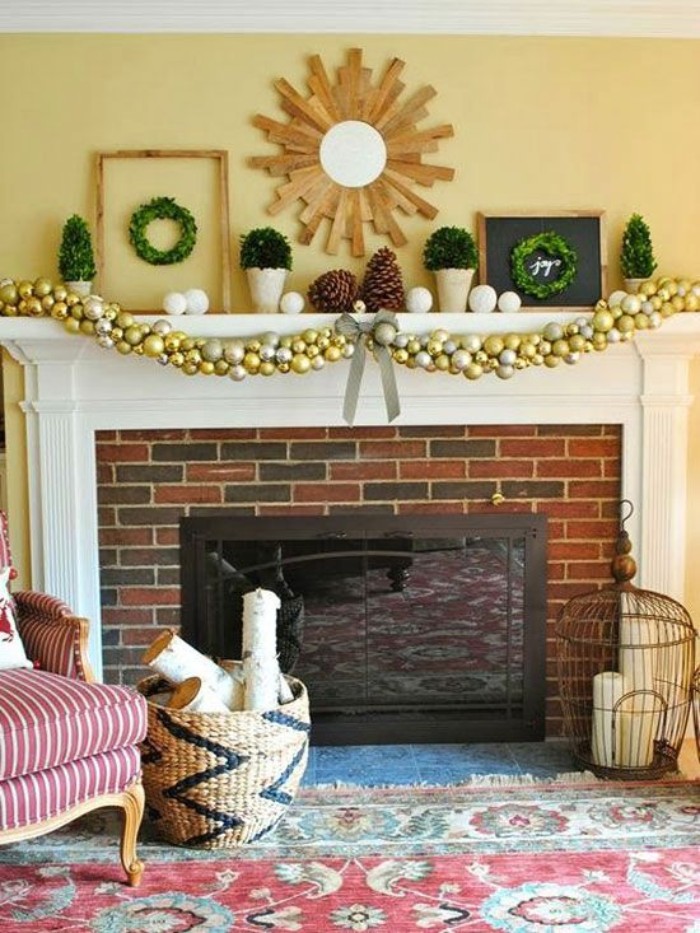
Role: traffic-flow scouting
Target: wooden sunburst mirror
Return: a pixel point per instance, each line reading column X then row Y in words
column 352, row 152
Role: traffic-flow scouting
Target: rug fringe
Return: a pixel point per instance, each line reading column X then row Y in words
column 504, row 780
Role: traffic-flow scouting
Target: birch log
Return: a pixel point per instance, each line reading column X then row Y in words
column 195, row 696
column 259, row 644
column 172, row 657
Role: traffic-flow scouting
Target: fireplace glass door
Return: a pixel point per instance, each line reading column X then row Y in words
column 425, row 629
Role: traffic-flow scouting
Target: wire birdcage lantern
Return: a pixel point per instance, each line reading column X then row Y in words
column 625, row 659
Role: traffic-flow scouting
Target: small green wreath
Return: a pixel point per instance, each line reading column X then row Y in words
column 553, row 245
column 162, row 209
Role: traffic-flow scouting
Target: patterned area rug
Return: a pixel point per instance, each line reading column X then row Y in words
column 584, row 857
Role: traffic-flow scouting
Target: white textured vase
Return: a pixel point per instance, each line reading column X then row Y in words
column 453, row 289
column 80, row 288
column 632, row 285
column 266, row 288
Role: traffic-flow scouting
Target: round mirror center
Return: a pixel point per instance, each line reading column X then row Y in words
column 353, row 153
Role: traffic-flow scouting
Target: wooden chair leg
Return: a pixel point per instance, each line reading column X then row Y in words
column 133, row 804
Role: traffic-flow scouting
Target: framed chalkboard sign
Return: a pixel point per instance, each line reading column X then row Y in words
column 552, row 260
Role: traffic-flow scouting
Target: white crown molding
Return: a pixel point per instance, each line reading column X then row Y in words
column 637, row 18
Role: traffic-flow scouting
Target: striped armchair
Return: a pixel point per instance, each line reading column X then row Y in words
column 68, row 745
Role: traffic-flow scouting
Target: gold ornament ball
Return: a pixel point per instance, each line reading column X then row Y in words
column 512, row 341
column 190, row 368
column 413, row 346
column 193, row 356
column 603, row 321
column 25, row 289
column 473, row 371
column 221, row 367
column 124, row 320
column 267, row 368
column 187, row 344
column 87, row 328
column 299, row 346
column 42, row 287
column 71, row 325
column 171, row 343
column 442, row 363
column 552, row 361
column 212, row 350
column 251, row 362
column 206, row 367
column 153, row 345
column 577, row 342
column 283, row 367
column 177, row 359
column 47, row 302
column 625, row 324
column 400, row 356
column 560, row 347
column 34, row 307
column 323, row 342
column 493, row 345
column 300, row 363
column 133, row 335
column 677, row 301
column 122, row 346
column 333, row 354
column 310, row 336
column 9, row 294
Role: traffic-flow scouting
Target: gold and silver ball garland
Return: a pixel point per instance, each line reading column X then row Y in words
column 616, row 320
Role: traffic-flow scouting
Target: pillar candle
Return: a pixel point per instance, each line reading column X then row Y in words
column 606, row 742
column 638, row 655
column 640, row 714
column 259, row 643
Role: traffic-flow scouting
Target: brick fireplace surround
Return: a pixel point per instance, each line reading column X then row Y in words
column 148, row 479
column 562, row 441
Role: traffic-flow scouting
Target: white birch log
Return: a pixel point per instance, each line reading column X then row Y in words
column 172, row 657
column 195, row 696
column 259, row 644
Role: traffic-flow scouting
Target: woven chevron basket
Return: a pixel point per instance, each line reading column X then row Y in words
column 220, row 780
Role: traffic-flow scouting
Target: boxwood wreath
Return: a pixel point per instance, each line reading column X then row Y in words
column 553, row 245
column 162, row 209
column 470, row 355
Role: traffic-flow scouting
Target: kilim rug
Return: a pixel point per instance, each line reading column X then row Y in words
column 584, row 857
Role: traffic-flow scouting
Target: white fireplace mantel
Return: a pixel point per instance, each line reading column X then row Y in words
column 73, row 389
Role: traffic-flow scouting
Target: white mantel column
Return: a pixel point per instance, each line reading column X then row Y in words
column 61, row 479
column 665, row 402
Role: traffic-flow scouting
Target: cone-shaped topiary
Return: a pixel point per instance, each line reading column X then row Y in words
column 265, row 248
column 637, row 255
column 383, row 285
column 76, row 262
column 450, row 248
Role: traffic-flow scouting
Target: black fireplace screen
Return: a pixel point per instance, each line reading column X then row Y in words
column 421, row 629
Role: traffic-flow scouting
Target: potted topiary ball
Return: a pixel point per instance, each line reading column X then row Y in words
column 76, row 262
column 450, row 252
column 637, row 254
column 267, row 258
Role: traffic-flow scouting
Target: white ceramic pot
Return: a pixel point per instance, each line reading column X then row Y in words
column 453, row 288
column 266, row 288
column 632, row 285
column 81, row 288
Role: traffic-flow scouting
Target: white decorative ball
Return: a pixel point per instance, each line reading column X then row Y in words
column 359, row 307
column 509, row 302
column 483, row 299
column 292, row 303
column 197, row 301
column 174, row 303
column 615, row 299
column 419, row 300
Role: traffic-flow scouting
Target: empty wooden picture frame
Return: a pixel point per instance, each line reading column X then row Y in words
column 197, row 179
column 582, row 231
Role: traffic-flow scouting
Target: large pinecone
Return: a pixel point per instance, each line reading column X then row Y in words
column 334, row 291
column 383, row 284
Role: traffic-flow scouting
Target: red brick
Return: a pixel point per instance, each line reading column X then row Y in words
column 367, row 469
column 155, row 434
column 501, row 469
column 123, row 453
column 293, row 434
column 326, row 492
column 588, row 570
column 589, row 489
column 221, row 434
column 555, row 530
column 140, row 636
column 310, row 510
column 556, row 571
column 167, row 535
column 220, row 472
column 600, row 531
column 102, row 436
column 498, row 430
column 568, row 468
column 488, row 507
column 125, row 536
column 578, row 509
column 104, row 473
column 574, row 550
column 427, row 508
column 399, row 450
column 566, row 591
column 118, row 615
column 363, row 434
column 150, row 596
column 592, row 447
column 533, row 447
column 432, row 469
column 187, row 494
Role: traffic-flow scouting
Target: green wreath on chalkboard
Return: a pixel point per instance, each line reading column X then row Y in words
column 553, row 245
column 162, row 209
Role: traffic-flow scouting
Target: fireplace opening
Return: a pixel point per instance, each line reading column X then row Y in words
column 405, row 629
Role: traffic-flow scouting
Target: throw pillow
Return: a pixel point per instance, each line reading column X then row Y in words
column 12, row 654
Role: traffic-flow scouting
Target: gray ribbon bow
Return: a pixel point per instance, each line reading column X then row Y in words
column 358, row 333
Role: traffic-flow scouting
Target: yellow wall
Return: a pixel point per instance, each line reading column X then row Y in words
column 539, row 124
